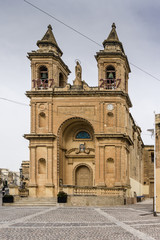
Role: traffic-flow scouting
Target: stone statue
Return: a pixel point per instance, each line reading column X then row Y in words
column 78, row 73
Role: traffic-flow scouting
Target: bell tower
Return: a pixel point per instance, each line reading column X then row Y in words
column 48, row 69
column 48, row 72
column 113, row 66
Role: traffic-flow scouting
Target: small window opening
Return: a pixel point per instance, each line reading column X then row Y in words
column 61, row 80
column 152, row 157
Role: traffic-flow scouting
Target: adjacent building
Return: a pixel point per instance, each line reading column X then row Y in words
column 157, row 163
column 9, row 177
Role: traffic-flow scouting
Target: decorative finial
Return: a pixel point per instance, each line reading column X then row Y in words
column 113, row 25
column 50, row 27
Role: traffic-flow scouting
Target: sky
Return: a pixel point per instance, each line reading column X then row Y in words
column 21, row 25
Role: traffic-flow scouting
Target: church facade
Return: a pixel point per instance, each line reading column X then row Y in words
column 83, row 140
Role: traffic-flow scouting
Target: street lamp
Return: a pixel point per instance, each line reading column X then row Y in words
column 153, row 133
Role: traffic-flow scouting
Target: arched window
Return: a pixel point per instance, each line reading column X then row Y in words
column 43, row 74
column 83, row 135
column 61, row 80
column 42, row 119
column 110, row 72
column 110, row 76
column 42, row 166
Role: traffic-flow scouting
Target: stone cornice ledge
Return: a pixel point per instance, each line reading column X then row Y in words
column 38, row 135
column 124, row 136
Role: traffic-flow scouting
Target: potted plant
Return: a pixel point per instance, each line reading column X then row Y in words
column 8, row 198
column 62, row 197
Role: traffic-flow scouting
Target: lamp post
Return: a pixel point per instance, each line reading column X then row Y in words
column 153, row 133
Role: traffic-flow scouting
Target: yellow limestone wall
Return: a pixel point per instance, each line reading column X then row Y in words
column 158, row 189
column 136, row 187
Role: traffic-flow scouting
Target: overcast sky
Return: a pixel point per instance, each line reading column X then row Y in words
column 21, row 26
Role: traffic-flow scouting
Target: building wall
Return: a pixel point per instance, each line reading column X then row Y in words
column 148, row 170
column 157, row 170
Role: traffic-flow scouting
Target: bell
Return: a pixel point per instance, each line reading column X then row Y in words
column 111, row 75
column 44, row 76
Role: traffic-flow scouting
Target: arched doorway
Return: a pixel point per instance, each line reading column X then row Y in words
column 76, row 153
column 83, row 176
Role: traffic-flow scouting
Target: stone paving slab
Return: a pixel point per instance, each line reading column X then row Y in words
column 15, row 213
column 152, row 230
column 130, row 222
column 94, row 233
column 71, row 215
column 60, row 224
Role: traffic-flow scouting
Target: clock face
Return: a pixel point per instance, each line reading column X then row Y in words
column 110, row 107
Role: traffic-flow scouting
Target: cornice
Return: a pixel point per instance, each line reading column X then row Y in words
column 120, row 136
column 121, row 54
column 31, row 55
column 79, row 156
column 79, row 93
column 39, row 135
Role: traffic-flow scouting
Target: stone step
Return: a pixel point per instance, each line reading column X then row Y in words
column 28, row 201
column 29, row 204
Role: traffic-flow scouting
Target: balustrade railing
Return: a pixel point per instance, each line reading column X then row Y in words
column 90, row 191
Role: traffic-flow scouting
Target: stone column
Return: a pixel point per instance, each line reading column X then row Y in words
column 100, row 73
column 102, row 117
column 33, row 75
column 32, row 165
column 119, row 118
column 101, row 167
column 49, row 185
column 55, row 167
column 50, row 118
column 33, row 117
column 118, row 166
column 49, row 165
column 32, row 181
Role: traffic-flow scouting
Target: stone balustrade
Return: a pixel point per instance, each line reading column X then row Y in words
column 96, row 191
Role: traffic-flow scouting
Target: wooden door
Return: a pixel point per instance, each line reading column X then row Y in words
column 83, row 176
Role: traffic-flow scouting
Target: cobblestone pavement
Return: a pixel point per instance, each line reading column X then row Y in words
column 71, row 223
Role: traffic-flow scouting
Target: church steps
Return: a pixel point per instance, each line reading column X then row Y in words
column 33, row 202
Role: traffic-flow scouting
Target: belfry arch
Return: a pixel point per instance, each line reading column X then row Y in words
column 75, row 152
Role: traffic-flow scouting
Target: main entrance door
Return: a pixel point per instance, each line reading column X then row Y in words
column 83, row 176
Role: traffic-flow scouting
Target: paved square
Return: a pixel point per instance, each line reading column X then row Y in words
column 72, row 223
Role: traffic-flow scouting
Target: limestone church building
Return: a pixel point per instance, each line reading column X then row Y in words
column 83, row 140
